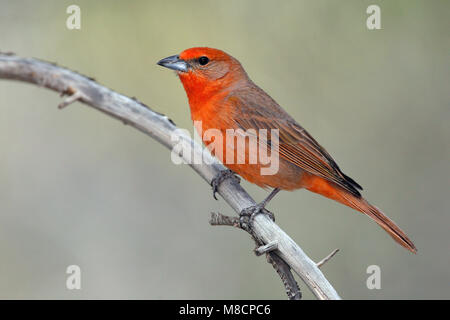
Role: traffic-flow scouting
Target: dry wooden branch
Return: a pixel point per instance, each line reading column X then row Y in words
column 161, row 128
column 284, row 271
column 327, row 258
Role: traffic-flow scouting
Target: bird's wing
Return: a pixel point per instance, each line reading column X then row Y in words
column 296, row 145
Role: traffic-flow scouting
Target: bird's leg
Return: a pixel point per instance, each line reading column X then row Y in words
column 268, row 198
column 248, row 213
column 220, row 177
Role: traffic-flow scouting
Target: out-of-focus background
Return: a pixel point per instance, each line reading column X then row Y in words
column 78, row 187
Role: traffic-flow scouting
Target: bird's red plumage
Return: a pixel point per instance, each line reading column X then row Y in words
column 222, row 96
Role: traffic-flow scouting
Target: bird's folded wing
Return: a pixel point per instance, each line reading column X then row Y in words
column 296, row 145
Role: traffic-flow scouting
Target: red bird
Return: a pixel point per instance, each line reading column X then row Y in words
column 222, row 97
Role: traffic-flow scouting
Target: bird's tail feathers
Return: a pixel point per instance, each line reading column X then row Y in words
column 332, row 191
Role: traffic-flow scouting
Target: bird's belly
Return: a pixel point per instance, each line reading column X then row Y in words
column 287, row 177
column 262, row 167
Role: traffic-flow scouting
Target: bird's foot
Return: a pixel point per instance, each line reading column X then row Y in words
column 247, row 214
column 220, row 177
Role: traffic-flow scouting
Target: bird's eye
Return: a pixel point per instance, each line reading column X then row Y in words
column 203, row 60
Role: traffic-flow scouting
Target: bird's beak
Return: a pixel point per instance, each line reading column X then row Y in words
column 174, row 63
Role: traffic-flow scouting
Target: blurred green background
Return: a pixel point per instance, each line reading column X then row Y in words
column 78, row 187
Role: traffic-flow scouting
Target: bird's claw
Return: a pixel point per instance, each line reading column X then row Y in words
column 220, row 177
column 247, row 214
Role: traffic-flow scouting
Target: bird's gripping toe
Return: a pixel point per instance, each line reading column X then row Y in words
column 247, row 214
column 220, row 177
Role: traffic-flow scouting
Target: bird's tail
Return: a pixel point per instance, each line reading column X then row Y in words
column 328, row 189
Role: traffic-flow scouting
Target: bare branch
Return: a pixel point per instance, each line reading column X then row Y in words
column 328, row 257
column 266, row 248
column 163, row 130
column 218, row 219
column 71, row 99
column 284, row 271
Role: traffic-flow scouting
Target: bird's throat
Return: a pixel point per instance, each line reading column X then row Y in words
column 200, row 92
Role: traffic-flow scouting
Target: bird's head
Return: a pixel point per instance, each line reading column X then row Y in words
column 204, row 70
